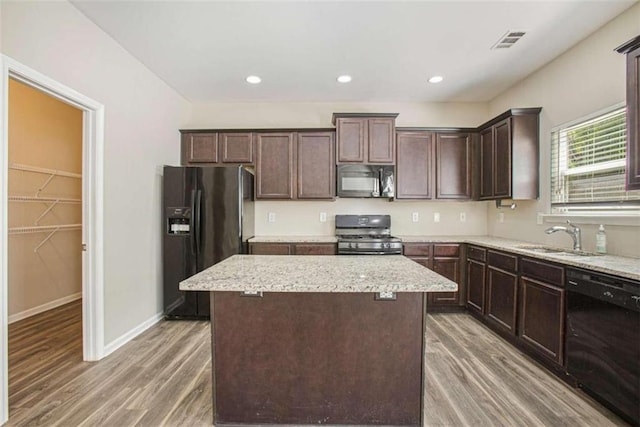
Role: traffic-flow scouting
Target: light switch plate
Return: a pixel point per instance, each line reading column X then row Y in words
column 463, row 216
column 501, row 217
column 272, row 217
column 436, row 217
column 415, row 217
column 323, row 217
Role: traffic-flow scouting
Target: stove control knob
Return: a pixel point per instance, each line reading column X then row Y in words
column 350, row 245
column 356, row 245
column 386, row 245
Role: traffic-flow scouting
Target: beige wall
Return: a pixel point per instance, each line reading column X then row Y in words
column 45, row 133
column 587, row 78
column 142, row 118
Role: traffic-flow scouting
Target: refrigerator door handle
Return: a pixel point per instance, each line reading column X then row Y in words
column 192, row 238
column 198, row 219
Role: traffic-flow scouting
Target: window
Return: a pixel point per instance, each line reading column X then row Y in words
column 588, row 160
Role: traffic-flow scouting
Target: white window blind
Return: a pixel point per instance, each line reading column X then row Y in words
column 588, row 161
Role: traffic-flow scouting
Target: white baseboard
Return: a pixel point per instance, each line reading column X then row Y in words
column 44, row 307
column 122, row 340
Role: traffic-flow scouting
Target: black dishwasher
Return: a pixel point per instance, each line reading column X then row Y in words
column 603, row 339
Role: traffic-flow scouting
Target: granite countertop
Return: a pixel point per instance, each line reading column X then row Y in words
column 293, row 239
column 611, row 264
column 318, row 273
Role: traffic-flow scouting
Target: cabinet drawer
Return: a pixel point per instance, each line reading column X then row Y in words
column 419, row 249
column 315, row 249
column 479, row 254
column 270, row 248
column 541, row 270
column 502, row 261
column 446, row 250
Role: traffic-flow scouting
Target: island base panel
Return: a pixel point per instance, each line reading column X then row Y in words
column 317, row 358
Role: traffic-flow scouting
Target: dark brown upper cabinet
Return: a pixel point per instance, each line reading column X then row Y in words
column 509, row 155
column 316, row 165
column 236, row 147
column 199, row 148
column 365, row 138
column 632, row 50
column 216, row 148
column 433, row 165
column 415, row 165
column 275, row 165
column 453, row 165
column 295, row 165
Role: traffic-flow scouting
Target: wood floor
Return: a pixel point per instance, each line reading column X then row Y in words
column 163, row 378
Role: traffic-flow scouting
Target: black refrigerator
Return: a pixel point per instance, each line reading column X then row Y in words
column 207, row 216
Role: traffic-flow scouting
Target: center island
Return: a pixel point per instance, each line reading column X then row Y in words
column 302, row 340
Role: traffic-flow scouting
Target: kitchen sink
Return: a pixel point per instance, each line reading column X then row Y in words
column 555, row 251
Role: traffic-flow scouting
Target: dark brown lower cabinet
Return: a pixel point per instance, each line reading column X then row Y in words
column 444, row 259
column 476, row 279
column 541, row 324
column 502, row 290
column 317, row 358
column 287, row 248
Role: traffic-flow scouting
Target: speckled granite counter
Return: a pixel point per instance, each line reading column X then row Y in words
column 293, row 239
column 611, row 264
column 286, row 273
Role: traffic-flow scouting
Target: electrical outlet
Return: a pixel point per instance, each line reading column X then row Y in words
column 463, row 216
column 501, row 217
column 540, row 218
column 415, row 217
column 323, row 217
column 272, row 217
column 436, row 217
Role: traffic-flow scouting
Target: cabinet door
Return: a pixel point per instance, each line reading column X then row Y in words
column 449, row 268
column 502, row 297
column 315, row 249
column 541, row 318
column 381, row 141
column 453, row 168
column 275, row 170
column 502, row 160
column 269, row 248
column 351, row 137
column 236, row 147
column 633, row 119
column 200, row 148
column 486, row 163
column 316, row 165
column 476, row 285
column 414, row 169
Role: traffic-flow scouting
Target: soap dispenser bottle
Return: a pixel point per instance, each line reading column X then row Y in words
column 601, row 240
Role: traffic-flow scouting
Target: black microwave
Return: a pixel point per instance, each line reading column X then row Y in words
column 365, row 181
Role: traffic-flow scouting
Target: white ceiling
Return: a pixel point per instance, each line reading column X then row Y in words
column 205, row 49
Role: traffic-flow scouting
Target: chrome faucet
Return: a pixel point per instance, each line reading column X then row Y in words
column 574, row 232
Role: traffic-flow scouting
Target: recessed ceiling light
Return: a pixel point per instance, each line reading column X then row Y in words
column 436, row 79
column 254, row 80
column 344, row 79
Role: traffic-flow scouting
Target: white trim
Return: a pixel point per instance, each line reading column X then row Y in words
column 92, row 213
column 123, row 339
column 44, row 307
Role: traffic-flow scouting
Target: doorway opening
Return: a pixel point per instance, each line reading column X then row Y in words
column 87, row 222
column 45, row 237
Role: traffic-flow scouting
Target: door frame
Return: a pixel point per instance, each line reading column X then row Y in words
column 92, row 213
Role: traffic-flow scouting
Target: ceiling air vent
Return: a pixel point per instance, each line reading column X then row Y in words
column 508, row 39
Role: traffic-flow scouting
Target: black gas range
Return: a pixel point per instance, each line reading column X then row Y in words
column 366, row 235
